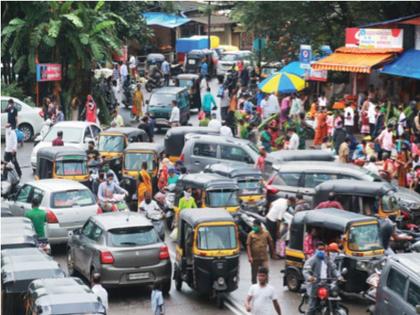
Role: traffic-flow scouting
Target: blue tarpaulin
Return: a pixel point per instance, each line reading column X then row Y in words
column 406, row 65
column 294, row 68
column 164, row 19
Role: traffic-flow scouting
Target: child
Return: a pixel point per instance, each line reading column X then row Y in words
column 157, row 300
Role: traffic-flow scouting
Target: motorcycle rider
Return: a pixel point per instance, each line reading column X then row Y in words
column 155, row 75
column 153, row 212
column 317, row 268
column 108, row 188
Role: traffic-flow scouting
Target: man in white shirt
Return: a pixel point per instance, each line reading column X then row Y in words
column 99, row 290
column 273, row 102
column 262, row 297
column 371, row 166
column 175, row 115
column 349, row 118
column 265, row 107
column 214, row 122
column 166, row 70
column 133, row 66
column 322, row 100
column 293, row 139
column 225, row 130
column 275, row 215
column 11, row 148
column 123, row 73
column 372, row 117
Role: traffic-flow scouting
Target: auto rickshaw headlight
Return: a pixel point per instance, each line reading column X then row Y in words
column 220, row 281
column 362, row 265
column 235, row 279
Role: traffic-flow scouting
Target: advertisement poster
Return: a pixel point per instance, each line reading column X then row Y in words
column 48, row 72
column 374, row 37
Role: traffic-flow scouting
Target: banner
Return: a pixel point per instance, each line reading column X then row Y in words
column 317, row 75
column 48, row 72
column 374, row 37
column 305, row 56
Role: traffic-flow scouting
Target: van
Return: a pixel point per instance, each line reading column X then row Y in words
column 202, row 150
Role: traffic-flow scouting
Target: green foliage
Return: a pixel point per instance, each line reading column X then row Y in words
column 12, row 90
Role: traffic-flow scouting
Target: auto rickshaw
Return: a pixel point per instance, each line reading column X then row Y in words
column 19, row 267
column 195, row 57
column 50, row 293
column 356, row 234
column 190, row 81
column 364, row 197
column 63, row 162
column 133, row 157
column 113, row 141
column 175, row 139
column 209, row 191
column 154, row 60
column 250, row 181
column 207, row 252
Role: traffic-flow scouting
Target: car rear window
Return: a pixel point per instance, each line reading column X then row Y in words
column 72, row 198
column 133, row 236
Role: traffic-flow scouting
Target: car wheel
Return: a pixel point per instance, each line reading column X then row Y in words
column 293, row 281
column 166, row 287
column 70, row 263
column 27, row 130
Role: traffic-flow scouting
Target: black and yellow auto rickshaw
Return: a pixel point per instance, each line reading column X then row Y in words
column 209, row 191
column 133, row 157
column 250, row 181
column 207, row 252
column 175, row 139
column 364, row 197
column 190, row 81
column 113, row 141
column 19, row 267
column 64, row 162
column 356, row 234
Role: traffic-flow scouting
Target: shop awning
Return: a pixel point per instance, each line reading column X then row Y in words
column 407, row 65
column 361, row 60
column 164, row 19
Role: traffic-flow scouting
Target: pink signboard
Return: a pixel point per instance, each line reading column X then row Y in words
column 374, row 37
column 48, row 72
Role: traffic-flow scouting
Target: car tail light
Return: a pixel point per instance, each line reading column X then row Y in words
column 181, row 158
column 322, row 293
column 99, row 210
column 107, row 258
column 51, row 217
column 164, row 253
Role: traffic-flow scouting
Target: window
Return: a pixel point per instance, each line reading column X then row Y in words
column 71, row 168
column 133, row 236
column 216, row 237
column 133, row 161
column 314, row 179
column 111, row 143
column 38, row 193
column 364, row 237
column 88, row 229
column 72, row 198
column 222, row 198
column 3, row 106
column 234, row 153
column 205, row 149
column 413, row 295
column 291, row 179
column 24, row 193
column 396, row 282
column 96, row 233
column 70, row 134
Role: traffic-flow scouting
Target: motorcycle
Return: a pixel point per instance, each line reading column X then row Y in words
column 328, row 299
column 166, row 201
column 406, row 246
column 128, row 91
column 153, row 83
column 115, row 204
column 157, row 220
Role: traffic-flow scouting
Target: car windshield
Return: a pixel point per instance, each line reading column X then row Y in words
column 72, row 198
column 230, row 57
column 133, row 236
column 185, row 83
column 111, row 143
column 217, row 237
column 364, row 237
column 133, row 161
column 389, row 203
column 160, row 99
column 250, row 186
column 222, row 198
column 70, row 134
column 71, row 167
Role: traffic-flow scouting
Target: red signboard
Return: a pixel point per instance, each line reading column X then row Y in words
column 48, row 72
column 124, row 55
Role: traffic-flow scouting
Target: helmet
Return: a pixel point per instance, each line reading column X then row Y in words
column 333, row 247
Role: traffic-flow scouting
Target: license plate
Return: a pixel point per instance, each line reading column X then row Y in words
column 138, row 276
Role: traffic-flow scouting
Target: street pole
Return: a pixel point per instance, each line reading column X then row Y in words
column 209, row 25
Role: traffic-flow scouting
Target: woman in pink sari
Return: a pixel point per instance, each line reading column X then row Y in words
column 91, row 110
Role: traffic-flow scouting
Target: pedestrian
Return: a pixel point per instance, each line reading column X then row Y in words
column 204, row 69
column 174, row 119
column 265, row 138
column 349, row 118
column 403, row 162
column 123, row 72
column 273, row 102
column 208, row 102
column 344, row 151
column 10, row 150
column 248, row 105
column 293, row 139
column 339, row 136
column 224, row 102
column 59, row 140
column 322, row 101
column 115, row 73
column 260, row 162
column 37, row 216
column 99, row 290
column 364, row 119
column 117, row 120
column 141, row 190
column 157, row 300
column 372, row 113
column 275, row 216
column 321, row 129
column 301, row 204
column 91, row 110
column 330, row 203
column 12, row 113
column 385, row 140
column 257, row 243
column 296, row 107
column 172, row 176
column 214, row 122
column 146, row 177
column 262, row 297
column 132, row 64
column 146, row 125
column 372, row 166
column 137, row 109
column 284, row 109
column 166, row 70
column 60, row 115
column 225, row 130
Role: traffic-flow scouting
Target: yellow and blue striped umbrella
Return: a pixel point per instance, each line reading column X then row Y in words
column 282, row 82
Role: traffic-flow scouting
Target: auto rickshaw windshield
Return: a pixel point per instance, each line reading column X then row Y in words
column 389, row 203
column 217, row 237
column 134, row 161
column 250, row 186
column 71, row 167
column 364, row 237
column 222, row 198
column 185, row 83
column 111, row 143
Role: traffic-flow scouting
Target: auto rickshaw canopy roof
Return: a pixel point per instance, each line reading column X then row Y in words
column 300, row 155
column 234, row 170
column 127, row 131
column 144, row 146
column 155, row 57
column 208, row 181
column 65, row 296
column 354, row 187
column 198, row 216
column 61, row 153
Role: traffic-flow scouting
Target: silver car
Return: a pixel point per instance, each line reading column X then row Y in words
column 123, row 247
column 68, row 205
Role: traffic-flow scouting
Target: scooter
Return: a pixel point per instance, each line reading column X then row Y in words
column 115, row 204
column 153, row 84
column 128, row 90
column 157, row 221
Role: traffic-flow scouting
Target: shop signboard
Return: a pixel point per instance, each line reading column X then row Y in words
column 316, row 75
column 305, row 56
column 48, row 72
column 374, row 37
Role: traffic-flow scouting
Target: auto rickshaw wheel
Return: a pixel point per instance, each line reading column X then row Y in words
column 178, row 280
column 292, row 280
column 220, row 299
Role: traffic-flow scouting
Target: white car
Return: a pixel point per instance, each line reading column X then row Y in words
column 68, row 205
column 75, row 133
column 29, row 119
column 230, row 58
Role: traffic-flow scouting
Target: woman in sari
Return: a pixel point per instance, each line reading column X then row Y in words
column 403, row 162
column 321, row 129
column 137, row 103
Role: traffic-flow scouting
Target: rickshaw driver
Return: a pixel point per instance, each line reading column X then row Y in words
column 108, row 188
column 155, row 74
column 317, row 268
